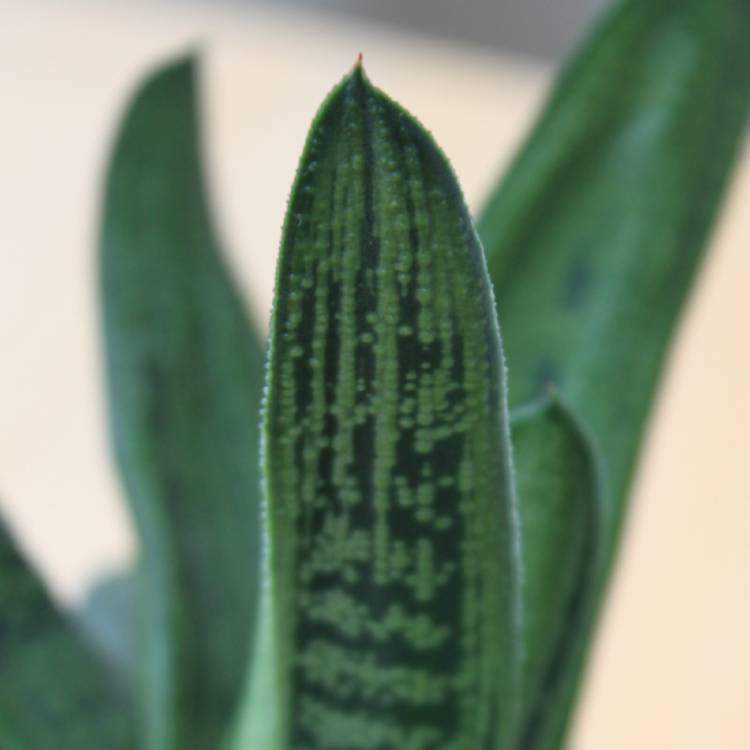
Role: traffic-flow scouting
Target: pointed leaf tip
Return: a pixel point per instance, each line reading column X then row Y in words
column 562, row 520
column 595, row 234
column 390, row 509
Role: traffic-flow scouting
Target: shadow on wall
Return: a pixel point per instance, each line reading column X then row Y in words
column 538, row 28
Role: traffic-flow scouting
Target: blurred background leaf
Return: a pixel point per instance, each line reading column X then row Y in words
column 595, row 235
column 185, row 375
column 560, row 506
column 54, row 693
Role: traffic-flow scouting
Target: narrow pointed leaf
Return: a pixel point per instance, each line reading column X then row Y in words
column 560, row 507
column 53, row 691
column 593, row 238
column 185, row 378
column 393, row 563
column 595, row 235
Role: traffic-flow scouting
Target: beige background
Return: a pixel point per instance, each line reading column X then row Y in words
column 672, row 667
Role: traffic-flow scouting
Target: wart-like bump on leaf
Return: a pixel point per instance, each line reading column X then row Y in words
column 393, row 555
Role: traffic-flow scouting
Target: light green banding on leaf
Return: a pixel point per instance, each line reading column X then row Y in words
column 393, row 550
column 560, row 507
column 53, row 691
column 185, row 374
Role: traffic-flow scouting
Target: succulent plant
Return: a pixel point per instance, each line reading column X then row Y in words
column 407, row 547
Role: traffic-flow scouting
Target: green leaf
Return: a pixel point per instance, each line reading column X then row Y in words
column 393, row 612
column 560, row 506
column 53, row 692
column 107, row 619
column 596, row 233
column 185, row 377
column 594, row 236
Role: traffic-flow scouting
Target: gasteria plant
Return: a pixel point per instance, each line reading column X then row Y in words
column 373, row 566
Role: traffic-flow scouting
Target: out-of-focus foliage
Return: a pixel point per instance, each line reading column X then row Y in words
column 397, row 517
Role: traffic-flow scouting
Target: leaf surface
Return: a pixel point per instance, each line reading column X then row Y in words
column 53, row 691
column 560, row 507
column 106, row 617
column 393, row 613
column 595, row 235
column 185, row 377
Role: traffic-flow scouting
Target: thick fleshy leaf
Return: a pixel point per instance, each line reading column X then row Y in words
column 593, row 238
column 185, row 377
column 595, row 235
column 53, row 691
column 393, row 619
column 560, row 507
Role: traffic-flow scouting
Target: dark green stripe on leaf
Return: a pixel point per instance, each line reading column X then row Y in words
column 53, row 692
column 392, row 531
column 185, row 377
column 560, row 507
